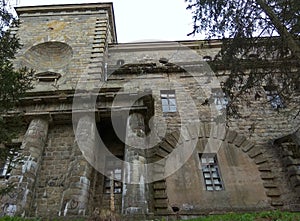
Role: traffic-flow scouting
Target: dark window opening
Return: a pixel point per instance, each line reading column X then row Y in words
column 113, row 182
column 47, row 76
column 113, row 136
column 168, row 101
column 211, row 172
column 274, row 98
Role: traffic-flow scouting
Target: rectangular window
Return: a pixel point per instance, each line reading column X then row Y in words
column 211, row 172
column 168, row 101
column 113, row 167
column 273, row 97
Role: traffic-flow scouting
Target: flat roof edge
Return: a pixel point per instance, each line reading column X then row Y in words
column 62, row 7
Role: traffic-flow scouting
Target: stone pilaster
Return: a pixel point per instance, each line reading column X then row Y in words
column 19, row 200
column 76, row 195
column 135, row 190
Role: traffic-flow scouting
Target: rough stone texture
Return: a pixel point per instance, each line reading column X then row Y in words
column 125, row 80
column 24, row 176
column 135, row 188
column 52, row 178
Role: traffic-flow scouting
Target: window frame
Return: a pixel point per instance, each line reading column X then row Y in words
column 111, row 169
column 211, row 173
column 168, row 101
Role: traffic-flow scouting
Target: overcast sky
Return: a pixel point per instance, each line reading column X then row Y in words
column 141, row 20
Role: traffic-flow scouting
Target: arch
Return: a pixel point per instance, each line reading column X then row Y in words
column 207, row 133
column 52, row 54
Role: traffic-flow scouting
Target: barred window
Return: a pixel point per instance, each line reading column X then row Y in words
column 211, row 172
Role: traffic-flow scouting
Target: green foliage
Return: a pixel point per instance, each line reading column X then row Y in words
column 262, row 216
column 13, row 82
column 13, row 85
column 15, row 218
column 222, row 18
column 251, row 58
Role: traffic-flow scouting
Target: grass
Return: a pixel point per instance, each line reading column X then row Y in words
column 262, row 216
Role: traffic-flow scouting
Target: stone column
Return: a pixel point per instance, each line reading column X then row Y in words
column 76, row 195
column 19, row 200
column 135, row 190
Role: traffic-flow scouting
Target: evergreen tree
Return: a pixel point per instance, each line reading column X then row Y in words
column 261, row 46
column 13, row 85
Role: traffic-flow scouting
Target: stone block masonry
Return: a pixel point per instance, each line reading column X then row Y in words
column 164, row 98
column 52, row 180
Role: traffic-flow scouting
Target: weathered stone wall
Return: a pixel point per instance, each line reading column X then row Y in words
column 71, row 42
column 52, row 175
column 57, row 178
column 258, row 171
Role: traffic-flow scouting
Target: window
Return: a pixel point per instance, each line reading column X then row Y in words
column 211, row 173
column 219, row 98
column 273, row 97
column 47, row 76
column 10, row 157
column 168, row 101
column 114, row 168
